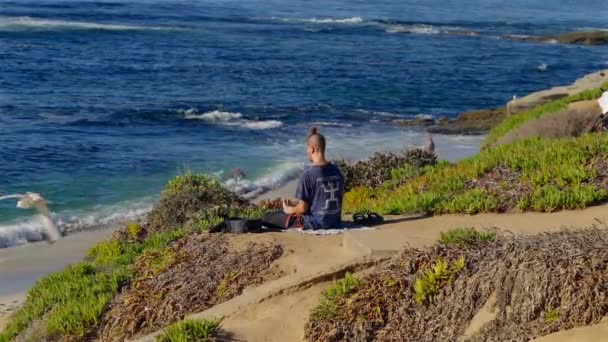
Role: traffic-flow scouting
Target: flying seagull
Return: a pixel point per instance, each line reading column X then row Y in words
column 33, row 200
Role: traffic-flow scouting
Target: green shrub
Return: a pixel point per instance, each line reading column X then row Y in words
column 438, row 275
column 461, row 236
column 552, row 316
column 190, row 331
column 382, row 167
column 186, row 196
column 134, row 230
column 72, row 301
column 514, row 121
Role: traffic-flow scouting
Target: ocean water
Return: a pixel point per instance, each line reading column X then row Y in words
column 101, row 102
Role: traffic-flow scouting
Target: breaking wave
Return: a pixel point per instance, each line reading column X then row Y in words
column 351, row 20
column 29, row 23
column 231, row 119
column 273, row 179
column 387, row 26
column 429, row 29
column 332, row 124
column 31, row 229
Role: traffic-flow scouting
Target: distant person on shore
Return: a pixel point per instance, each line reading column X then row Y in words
column 430, row 144
column 319, row 193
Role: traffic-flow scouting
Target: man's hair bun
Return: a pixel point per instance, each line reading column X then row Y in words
column 313, row 131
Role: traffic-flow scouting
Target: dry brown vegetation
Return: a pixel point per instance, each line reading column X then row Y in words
column 542, row 284
column 380, row 167
column 190, row 275
column 577, row 119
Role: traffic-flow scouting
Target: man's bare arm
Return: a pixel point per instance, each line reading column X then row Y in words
column 300, row 208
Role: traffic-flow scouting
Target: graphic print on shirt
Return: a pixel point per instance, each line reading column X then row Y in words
column 331, row 188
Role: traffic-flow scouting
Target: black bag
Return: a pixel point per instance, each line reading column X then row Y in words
column 237, row 225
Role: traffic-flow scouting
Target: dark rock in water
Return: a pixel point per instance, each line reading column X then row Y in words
column 587, row 38
column 416, row 122
column 584, row 38
column 473, row 122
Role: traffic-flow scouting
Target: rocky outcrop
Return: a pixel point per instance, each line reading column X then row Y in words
column 577, row 119
column 587, row 38
column 584, row 38
column 473, row 122
column 422, row 121
column 481, row 121
column 532, row 100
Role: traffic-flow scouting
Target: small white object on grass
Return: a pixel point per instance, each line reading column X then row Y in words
column 33, row 200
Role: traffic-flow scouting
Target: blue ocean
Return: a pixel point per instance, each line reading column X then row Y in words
column 101, row 102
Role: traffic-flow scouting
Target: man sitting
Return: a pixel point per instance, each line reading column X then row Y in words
column 319, row 193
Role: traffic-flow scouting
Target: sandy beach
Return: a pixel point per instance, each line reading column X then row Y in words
column 20, row 266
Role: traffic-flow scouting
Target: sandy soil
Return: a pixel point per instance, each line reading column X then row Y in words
column 8, row 305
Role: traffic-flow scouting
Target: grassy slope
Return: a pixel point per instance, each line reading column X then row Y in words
column 559, row 172
column 71, row 302
column 517, row 120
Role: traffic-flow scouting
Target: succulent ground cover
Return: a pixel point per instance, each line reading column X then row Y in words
column 534, row 174
column 191, row 331
column 539, row 284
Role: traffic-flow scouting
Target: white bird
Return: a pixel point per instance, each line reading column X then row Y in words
column 34, row 200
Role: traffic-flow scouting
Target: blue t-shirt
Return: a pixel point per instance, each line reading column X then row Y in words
column 322, row 187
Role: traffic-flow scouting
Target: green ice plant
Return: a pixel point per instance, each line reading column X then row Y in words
column 190, row 330
column 435, row 277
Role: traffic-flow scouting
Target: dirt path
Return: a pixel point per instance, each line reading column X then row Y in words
column 278, row 310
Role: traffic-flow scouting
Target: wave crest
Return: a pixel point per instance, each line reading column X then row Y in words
column 231, row 119
column 29, row 23
column 351, row 20
column 274, row 179
column 429, row 29
column 31, row 229
column 387, row 26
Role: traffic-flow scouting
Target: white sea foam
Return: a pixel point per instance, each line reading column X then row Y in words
column 429, row 29
column 542, row 67
column 274, row 178
column 29, row 23
column 332, row 124
column 350, row 20
column 416, row 29
column 424, row 116
column 231, row 119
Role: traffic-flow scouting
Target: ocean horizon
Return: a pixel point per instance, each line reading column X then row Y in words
column 102, row 102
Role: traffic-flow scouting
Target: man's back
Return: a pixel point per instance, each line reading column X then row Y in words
column 322, row 187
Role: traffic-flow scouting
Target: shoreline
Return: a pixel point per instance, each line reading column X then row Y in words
column 22, row 265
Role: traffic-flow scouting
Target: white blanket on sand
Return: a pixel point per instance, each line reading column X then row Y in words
column 328, row 231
